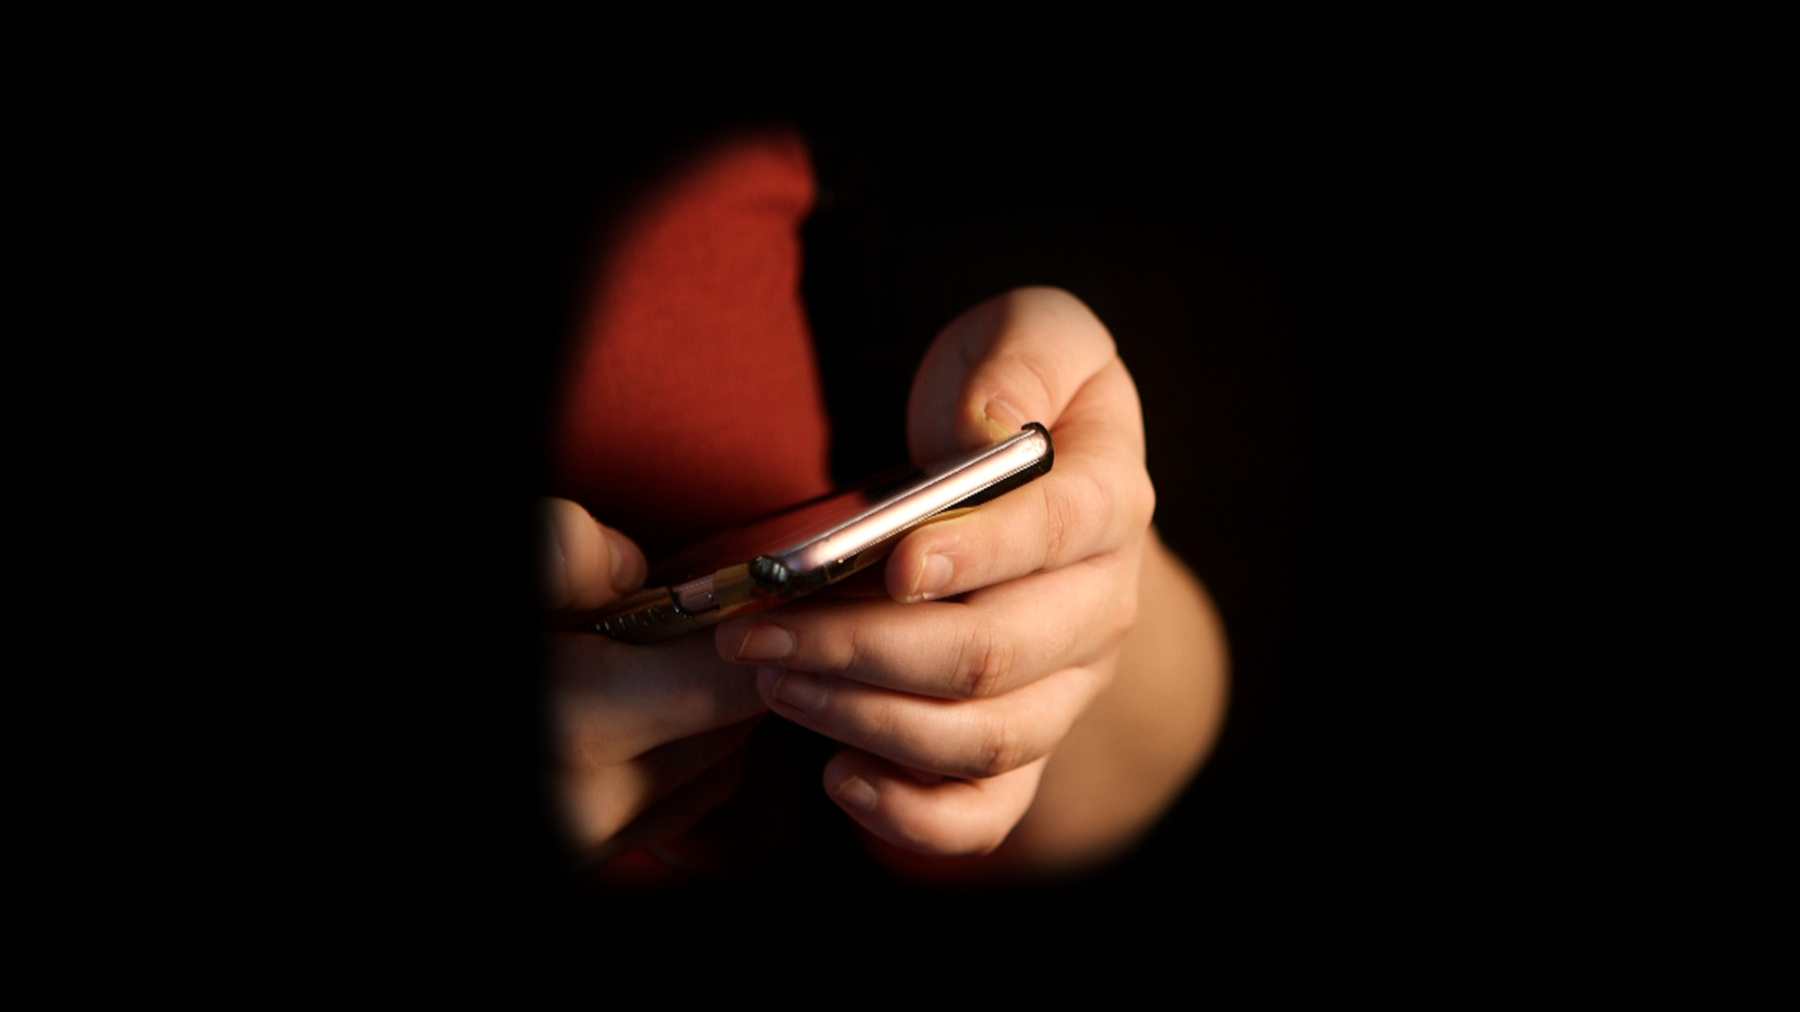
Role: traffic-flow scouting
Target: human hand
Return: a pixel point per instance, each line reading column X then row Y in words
column 1005, row 624
column 647, row 737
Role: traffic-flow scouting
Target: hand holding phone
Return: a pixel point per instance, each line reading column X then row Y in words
column 646, row 741
column 1040, row 681
column 975, row 702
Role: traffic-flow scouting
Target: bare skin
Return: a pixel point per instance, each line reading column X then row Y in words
column 1039, row 684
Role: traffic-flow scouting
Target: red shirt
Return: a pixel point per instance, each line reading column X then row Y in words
column 692, row 402
column 692, row 399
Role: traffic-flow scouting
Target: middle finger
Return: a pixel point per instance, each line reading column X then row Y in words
column 986, row 644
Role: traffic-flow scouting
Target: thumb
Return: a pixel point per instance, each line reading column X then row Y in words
column 1016, row 358
column 586, row 565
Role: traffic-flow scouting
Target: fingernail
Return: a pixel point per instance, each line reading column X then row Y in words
column 802, row 691
column 765, row 642
column 934, row 576
column 1002, row 418
column 856, row 793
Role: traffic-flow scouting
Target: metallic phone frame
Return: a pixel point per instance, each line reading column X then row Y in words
column 824, row 557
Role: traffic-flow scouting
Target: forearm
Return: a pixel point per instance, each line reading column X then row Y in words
column 1133, row 751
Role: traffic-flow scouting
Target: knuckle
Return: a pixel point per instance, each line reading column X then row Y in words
column 828, row 645
column 1071, row 506
column 881, row 723
column 984, row 664
column 1059, row 517
column 1122, row 616
column 836, row 662
column 1000, row 751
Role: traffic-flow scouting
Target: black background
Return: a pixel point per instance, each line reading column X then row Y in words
column 1304, row 306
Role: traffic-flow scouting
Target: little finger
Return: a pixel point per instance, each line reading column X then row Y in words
column 973, row 740
column 987, row 644
column 950, row 817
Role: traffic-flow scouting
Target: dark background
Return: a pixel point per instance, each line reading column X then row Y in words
column 1301, row 303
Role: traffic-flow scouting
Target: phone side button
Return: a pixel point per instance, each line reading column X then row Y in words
column 625, row 624
column 695, row 597
column 835, row 571
column 770, row 574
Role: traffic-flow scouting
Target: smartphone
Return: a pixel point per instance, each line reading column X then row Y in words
column 797, row 551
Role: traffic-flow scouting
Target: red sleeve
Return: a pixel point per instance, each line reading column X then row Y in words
column 692, row 399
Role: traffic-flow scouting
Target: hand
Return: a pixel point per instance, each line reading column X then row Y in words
column 648, row 737
column 1004, row 625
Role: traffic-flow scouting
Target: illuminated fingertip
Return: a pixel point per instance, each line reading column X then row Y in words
column 934, row 576
column 857, row 793
column 803, row 691
column 1002, row 418
column 765, row 641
